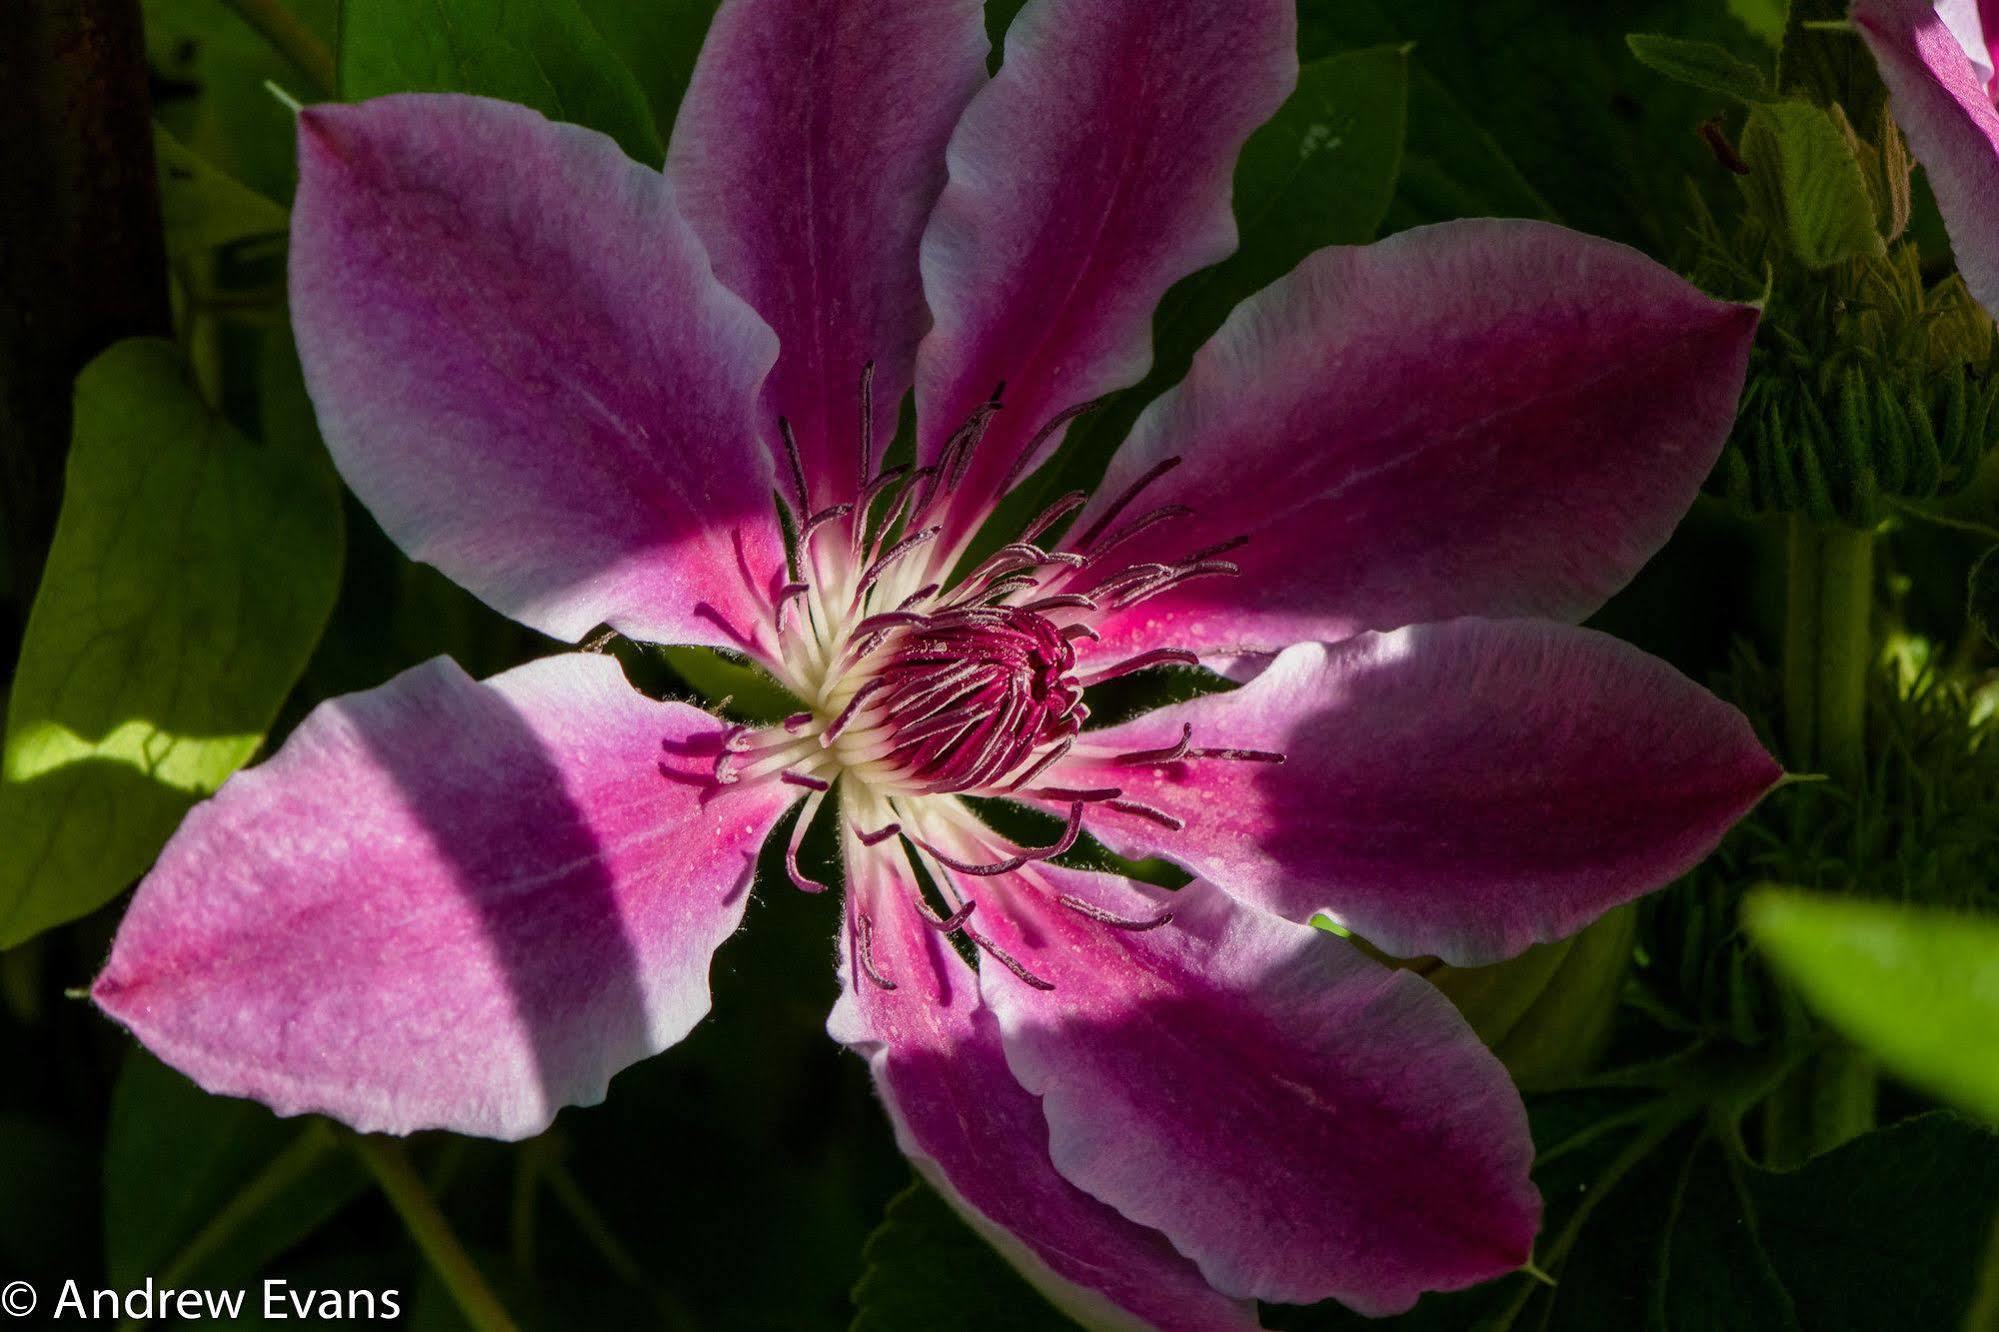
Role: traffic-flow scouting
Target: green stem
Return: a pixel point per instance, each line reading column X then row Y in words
column 1828, row 656
column 286, row 1168
column 405, row 1190
column 292, row 39
column 1828, row 646
column 595, row 1229
column 1984, row 1315
column 21, row 978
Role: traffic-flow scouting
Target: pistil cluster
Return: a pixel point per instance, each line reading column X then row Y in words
column 921, row 685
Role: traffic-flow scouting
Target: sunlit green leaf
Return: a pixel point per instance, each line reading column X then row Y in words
column 1804, row 177
column 547, row 55
column 192, row 571
column 1918, row 987
column 1765, row 18
column 1983, row 602
column 206, row 1190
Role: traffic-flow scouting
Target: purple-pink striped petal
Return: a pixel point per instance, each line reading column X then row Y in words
column 807, row 156
column 525, row 368
column 1461, row 790
column 978, row 1137
column 1301, row 1120
column 1940, row 83
column 445, row 904
column 1091, row 174
column 1479, row 418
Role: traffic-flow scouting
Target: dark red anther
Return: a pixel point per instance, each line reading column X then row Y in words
column 1145, row 811
column 1144, row 661
column 879, row 835
column 1070, row 833
column 1006, row 959
column 1123, row 502
column 864, row 951
column 1103, row 917
column 1166, row 755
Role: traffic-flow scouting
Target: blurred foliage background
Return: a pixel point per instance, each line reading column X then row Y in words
column 183, row 579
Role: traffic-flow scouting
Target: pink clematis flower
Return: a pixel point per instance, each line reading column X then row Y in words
column 574, row 383
column 1937, row 58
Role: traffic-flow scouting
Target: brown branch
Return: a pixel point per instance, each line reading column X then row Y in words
column 82, row 263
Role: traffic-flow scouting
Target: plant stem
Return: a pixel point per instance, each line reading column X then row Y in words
column 292, row 39
column 1828, row 656
column 307, row 1150
column 1984, row 1315
column 1828, row 647
column 390, row 1165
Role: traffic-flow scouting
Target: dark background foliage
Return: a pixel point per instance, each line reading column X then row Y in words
column 746, row 1180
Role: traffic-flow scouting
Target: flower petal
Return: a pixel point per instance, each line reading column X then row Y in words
column 1092, row 173
column 1461, row 790
column 979, row 1138
column 1942, row 98
column 525, row 368
column 1477, row 418
column 807, row 156
column 445, row 904
column 1301, row 1120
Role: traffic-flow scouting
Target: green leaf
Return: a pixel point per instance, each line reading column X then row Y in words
column 1805, row 179
column 658, row 42
column 206, row 1190
column 1452, row 166
column 1885, row 1231
column 1601, row 143
column 927, row 1271
column 1321, row 172
column 1918, row 986
column 1765, row 18
column 205, row 209
column 192, row 571
column 1701, row 65
column 1983, row 602
column 749, row 691
column 546, row 55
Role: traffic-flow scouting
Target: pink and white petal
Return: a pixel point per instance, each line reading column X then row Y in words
column 526, row 369
column 1461, row 790
column 445, row 904
column 1301, row 1120
column 979, row 1138
column 1942, row 97
column 807, row 157
column 1478, row 418
column 1091, row 174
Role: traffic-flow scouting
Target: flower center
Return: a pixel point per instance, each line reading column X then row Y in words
column 959, row 699
column 919, row 685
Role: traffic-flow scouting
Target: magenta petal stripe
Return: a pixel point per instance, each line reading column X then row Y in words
column 525, row 368
column 807, row 156
column 979, row 1138
column 1301, row 1120
column 445, row 904
column 1477, row 418
column 1090, row 175
column 1943, row 102
column 1460, row 790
